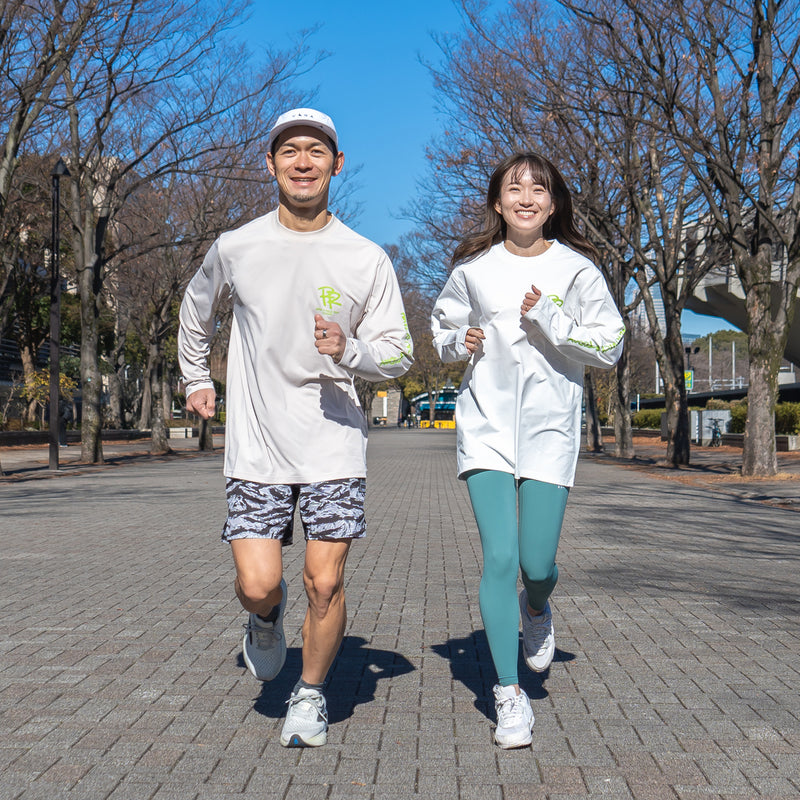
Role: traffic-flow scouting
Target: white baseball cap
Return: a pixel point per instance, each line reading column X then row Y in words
column 303, row 116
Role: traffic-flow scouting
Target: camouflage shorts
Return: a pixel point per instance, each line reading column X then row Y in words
column 329, row 510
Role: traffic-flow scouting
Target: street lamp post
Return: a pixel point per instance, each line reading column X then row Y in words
column 59, row 171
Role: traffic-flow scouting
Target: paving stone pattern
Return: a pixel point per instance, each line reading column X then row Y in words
column 677, row 672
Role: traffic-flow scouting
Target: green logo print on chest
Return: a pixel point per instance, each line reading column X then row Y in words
column 329, row 299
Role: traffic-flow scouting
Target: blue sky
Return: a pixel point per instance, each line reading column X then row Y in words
column 375, row 88
column 379, row 95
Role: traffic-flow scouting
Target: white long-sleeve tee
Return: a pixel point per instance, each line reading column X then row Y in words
column 292, row 414
column 519, row 404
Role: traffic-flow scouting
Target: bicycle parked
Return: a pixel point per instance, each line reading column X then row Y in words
column 716, row 433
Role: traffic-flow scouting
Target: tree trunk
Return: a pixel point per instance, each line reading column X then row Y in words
column 159, row 444
column 365, row 391
column 146, row 401
column 432, row 395
column 114, row 412
column 770, row 311
column 621, row 402
column 166, row 393
column 131, row 401
column 678, row 438
column 759, row 456
column 206, row 435
column 675, row 401
column 116, row 409
column 91, row 422
column 28, row 368
column 670, row 356
column 594, row 436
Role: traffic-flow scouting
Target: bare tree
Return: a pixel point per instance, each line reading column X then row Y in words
column 164, row 233
column 156, row 91
column 564, row 91
column 37, row 42
column 732, row 111
column 27, row 285
column 594, row 435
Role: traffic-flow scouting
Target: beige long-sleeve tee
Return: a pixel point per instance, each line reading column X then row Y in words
column 292, row 414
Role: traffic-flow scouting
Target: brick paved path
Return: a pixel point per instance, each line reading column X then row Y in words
column 677, row 673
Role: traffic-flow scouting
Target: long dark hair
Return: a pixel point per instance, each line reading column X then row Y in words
column 560, row 225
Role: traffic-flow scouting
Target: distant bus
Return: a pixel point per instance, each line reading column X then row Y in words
column 444, row 410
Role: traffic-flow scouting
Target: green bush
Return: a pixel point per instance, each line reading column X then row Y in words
column 182, row 422
column 787, row 418
column 715, row 404
column 738, row 416
column 647, row 418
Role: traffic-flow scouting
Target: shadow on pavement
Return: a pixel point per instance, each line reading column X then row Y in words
column 471, row 664
column 353, row 680
column 271, row 702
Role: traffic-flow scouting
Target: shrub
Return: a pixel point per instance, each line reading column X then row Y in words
column 715, row 404
column 182, row 422
column 738, row 416
column 787, row 418
column 647, row 418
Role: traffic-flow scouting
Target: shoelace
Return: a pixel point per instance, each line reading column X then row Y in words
column 264, row 637
column 538, row 628
column 511, row 709
column 315, row 703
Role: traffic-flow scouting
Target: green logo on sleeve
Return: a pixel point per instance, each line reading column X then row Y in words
column 601, row 348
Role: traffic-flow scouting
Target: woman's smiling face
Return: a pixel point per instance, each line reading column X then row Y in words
column 524, row 205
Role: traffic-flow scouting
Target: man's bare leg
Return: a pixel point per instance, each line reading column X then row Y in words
column 259, row 568
column 326, row 617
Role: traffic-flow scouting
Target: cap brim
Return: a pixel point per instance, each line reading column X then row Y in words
column 279, row 129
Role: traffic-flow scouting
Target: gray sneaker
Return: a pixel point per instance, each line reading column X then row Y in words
column 264, row 645
column 538, row 637
column 306, row 723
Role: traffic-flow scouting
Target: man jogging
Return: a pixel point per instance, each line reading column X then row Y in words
column 314, row 304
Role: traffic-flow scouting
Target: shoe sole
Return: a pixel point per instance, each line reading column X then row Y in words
column 295, row 740
column 533, row 668
column 528, row 742
column 514, row 745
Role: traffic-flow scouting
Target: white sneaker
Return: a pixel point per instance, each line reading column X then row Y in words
column 306, row 723
column 514, row 717
column 538, row 637
column 264, row 645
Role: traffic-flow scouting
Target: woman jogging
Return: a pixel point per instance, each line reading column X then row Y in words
column 529, row 309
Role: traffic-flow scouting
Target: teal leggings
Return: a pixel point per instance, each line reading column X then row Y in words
column 510, row 541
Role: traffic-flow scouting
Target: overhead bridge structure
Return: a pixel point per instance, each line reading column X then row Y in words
column 720, row 294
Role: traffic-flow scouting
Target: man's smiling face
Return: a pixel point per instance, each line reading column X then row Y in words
column 303, row 163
